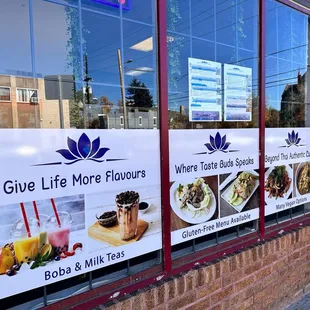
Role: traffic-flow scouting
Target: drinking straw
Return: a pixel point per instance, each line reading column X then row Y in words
column 25, row 219
column 36, row 212
column 56, row 212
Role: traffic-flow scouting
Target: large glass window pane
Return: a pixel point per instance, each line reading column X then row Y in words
column 287, row 186
column 82, row 69
column 213, row 86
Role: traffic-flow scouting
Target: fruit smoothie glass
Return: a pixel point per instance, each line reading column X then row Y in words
column 26, row 249
column 43, row 230
column 59, row 235
column 59, row 240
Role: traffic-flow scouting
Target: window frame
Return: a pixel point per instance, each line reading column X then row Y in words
column 28, row 95
column 10, row 93
column 172, row 267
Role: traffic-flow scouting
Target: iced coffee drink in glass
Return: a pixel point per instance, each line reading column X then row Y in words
column 127, row 204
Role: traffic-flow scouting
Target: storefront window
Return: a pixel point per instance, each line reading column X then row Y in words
column 287, row 119
column 213, row 86
column 85, row 209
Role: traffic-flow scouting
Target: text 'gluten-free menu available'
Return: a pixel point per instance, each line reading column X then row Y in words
column 73, row 201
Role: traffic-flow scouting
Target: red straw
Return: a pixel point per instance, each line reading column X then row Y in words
column 56, row 212
column 25, row 219
column 36, row 212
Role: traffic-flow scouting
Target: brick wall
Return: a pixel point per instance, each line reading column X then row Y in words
column 266, row 276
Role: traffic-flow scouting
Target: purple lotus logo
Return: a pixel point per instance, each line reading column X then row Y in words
column 84, row 149
column 217, row 144
column 292, row 140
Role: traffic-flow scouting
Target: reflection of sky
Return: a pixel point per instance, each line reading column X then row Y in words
column 215, row 37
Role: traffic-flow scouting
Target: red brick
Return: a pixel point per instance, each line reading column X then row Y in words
column 149, row 298
column 232, row 277
column 225, row 268
column 160, row 307
column 161, row 293
column 279, row 264
column 294, row 256
column 125, row 305
column 201, row 304
column 253, row 267
column 200, row 277
column 182, row 301
column 216, row 307
column 246, row 304
column 246, row 282
column 234, row 300
column 171, row 290
column 262, row 273
column 190, row 282
column 270, row 259
column 209, row 288
column 137, row 302
column 222, row 294
column 209, row 274
column 180, row 285
column 113, row 306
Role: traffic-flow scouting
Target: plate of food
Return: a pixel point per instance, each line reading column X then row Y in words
column 278, row 183
column 302, row 179
column 239, row 192
column 193, row 201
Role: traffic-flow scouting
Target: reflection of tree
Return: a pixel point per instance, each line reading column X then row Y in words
column 75, row 63
column 76, row 110
column 107, row 105
column 292, row 113
column 138, row 95
column 175, row 43
column 271, row 117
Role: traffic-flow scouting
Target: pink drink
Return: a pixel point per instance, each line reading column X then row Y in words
column 59, row 240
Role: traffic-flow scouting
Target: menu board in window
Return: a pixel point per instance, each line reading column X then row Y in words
column 237, row 93
column 205, row 98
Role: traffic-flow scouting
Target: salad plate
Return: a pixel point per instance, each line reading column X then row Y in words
column 302, row 179
column 194, row 202
column 239, row 192
column 278, row 183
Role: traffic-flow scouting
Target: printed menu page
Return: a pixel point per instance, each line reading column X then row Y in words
column 237, row 93
column 205, row 98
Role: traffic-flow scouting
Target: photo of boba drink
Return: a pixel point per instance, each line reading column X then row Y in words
column 58, row 232
column 127, row 204
column 59, row 240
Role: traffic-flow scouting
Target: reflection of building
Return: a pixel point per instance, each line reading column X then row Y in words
column 23, row 104
column 293, row 103
column 137, row 118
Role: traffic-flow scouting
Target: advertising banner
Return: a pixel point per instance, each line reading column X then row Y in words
column 214, row 180
column 205, row 97
column 287, row 175
column 73, row 201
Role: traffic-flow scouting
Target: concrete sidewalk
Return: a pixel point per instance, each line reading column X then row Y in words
column 302, row 304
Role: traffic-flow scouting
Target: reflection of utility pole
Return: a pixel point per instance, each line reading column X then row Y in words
column 87, row 79
column 121, row 78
